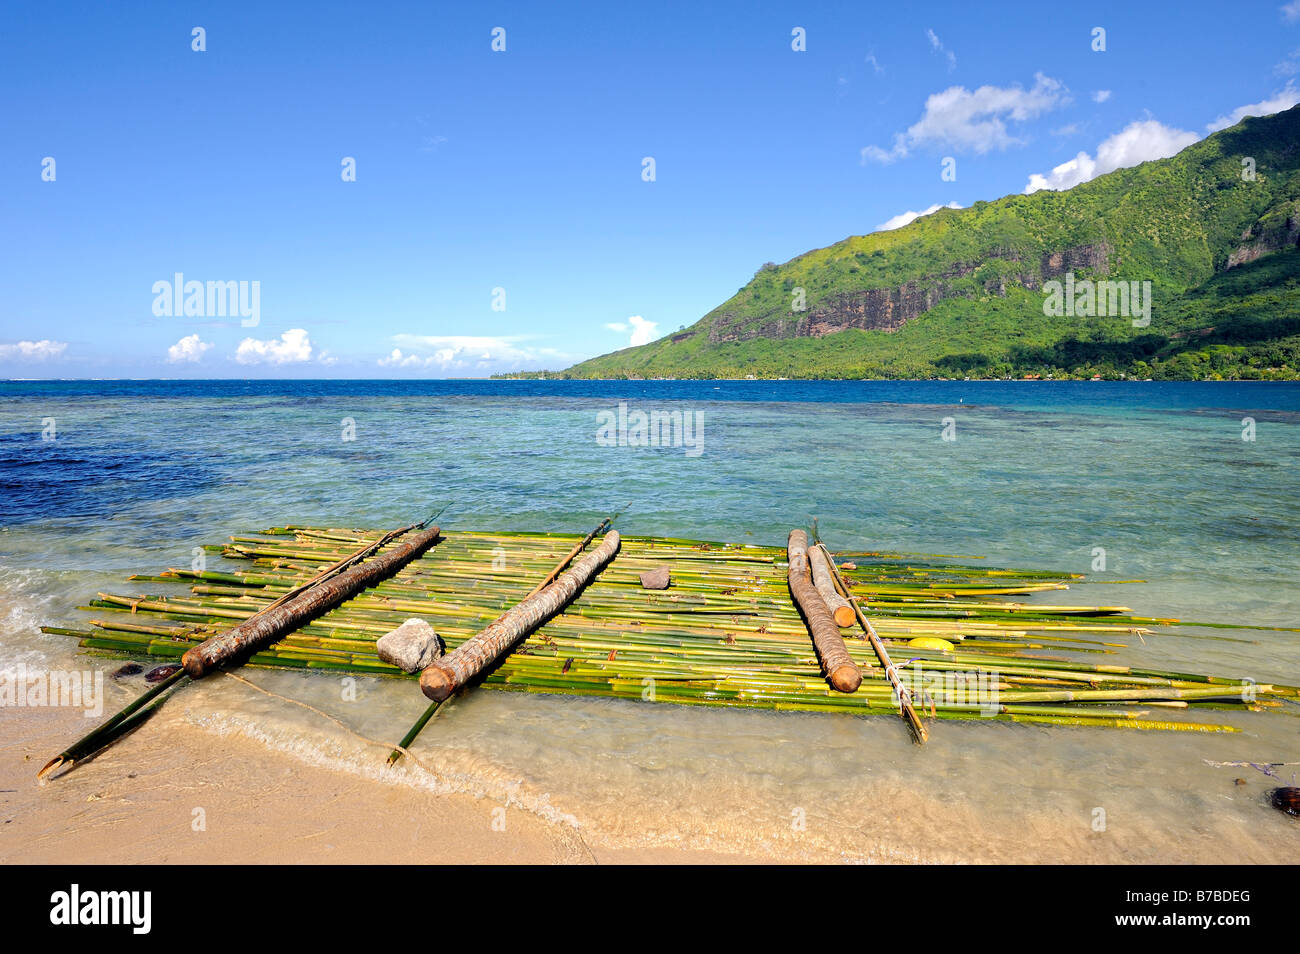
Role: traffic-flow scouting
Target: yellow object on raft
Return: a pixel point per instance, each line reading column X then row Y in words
column 931, row 642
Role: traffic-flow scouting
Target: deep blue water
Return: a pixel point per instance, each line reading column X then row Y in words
column 1280, row 396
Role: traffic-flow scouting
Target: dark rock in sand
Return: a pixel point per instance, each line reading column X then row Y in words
column 656, row 579
column 130, row 669
column 160, row 673
column 1286, row 799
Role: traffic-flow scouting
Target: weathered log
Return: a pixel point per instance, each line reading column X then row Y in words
column 825, row 583
column 840, row 670
column 271, row 625
column 471, row 657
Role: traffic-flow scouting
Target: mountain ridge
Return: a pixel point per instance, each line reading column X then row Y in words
column 961, row 291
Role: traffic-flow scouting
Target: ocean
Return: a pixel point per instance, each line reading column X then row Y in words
column 1192, row 488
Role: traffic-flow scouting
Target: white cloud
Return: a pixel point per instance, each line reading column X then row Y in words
column 974, row 121
column 32, row 350
column 1137, row 142
column 875, row 64
column 1101, row 95
column 470, row 353
column 903, row 218
column 1267, row 107
column 290, row 348
column 937, row 45
column 1290, row 11
column 643, row 332
column 395, row 359
column 189, row 348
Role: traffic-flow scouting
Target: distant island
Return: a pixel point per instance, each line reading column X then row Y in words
column 1184, row 268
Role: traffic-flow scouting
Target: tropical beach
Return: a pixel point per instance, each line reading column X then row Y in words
column 589, row 435
column 631, row 779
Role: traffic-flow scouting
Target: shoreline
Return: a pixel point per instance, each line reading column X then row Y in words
column 139, row 802
column 180, row 795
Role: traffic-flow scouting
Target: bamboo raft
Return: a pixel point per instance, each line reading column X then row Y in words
column 726, row 633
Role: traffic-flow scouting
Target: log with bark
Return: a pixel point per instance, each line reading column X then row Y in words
column 274, row 624
column 825, row 583
column 840, row 670
column 477, row 653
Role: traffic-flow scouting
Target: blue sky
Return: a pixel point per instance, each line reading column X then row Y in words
column 522, row 170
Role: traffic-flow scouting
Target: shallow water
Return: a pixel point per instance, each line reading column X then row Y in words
column 1039, row 475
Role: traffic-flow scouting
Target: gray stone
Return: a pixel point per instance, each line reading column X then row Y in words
column 411, row 647
column 656, row 579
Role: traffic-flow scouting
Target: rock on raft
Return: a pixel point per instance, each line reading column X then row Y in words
column 471, row 657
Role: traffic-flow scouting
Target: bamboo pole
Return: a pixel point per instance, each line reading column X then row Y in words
column 109, row 731
column 837, row 665
column 891, row 671
column 446, row 675
column 582, row 545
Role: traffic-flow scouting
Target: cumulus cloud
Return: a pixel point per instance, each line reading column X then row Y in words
column 32, row 350
column 643, row 332
column 1137, row 142
column 470, row 354
column 292, row 347
column 1101, row 95
column 1265, row 107
column 937, row 46
column 189, row 348
column 974, row 120
column 1290, row 11
column 903, row 218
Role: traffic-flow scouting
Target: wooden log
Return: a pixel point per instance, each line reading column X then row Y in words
column 825, row 583
column 269, row 626
column 838, row 667
column 477, row 653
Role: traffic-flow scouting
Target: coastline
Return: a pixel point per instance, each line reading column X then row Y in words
column 136, row 802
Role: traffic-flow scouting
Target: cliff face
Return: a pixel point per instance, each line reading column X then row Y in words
column 888, row 309
column 1276, row 229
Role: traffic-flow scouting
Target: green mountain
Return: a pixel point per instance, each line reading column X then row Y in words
column 961, row 292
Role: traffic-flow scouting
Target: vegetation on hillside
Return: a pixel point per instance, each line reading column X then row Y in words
column 1178, row 223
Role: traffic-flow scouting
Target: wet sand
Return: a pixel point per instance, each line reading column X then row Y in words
column 138, row 803
column 185, row 788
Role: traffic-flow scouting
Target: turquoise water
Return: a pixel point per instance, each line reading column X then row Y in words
column 1039, row 474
